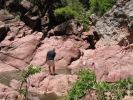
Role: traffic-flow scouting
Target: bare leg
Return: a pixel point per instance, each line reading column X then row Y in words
column 54, row 70
column 49, row 70
column 122, row 50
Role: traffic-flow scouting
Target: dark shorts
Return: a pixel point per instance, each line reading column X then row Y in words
column 127, row 47
column 50, row 63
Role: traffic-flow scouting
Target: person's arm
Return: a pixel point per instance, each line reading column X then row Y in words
column 46, row 58
column 54, row 54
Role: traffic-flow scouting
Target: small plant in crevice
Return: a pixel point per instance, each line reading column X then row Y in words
column 6, row 11
column 87, row 81
column 25, row 74
column 17, row 16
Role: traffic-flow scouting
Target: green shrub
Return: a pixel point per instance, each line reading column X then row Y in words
column 25, row 74
column 67, row 12
column 101, row 6
column 87, row 81
column 17, row 16
column 73, row 9
column 80, row 87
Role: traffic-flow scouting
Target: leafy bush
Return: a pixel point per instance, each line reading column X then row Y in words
column 82, row 12
column 79, row 89
column 17, row 16
column 67, row 12
column 87, row 81
column 25, row 74
column 73, row 9
column 101, row 6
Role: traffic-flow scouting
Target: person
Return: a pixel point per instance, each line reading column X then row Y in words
column 126, row 45
column 50, row 60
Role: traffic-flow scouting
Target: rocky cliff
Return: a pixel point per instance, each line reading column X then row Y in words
column 27, row 41
column 117, row 23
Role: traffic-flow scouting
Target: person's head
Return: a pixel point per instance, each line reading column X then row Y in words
column 125, row 38
column 53, row 48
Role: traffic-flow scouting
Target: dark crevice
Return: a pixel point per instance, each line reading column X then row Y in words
column 3, row 33
column 92, row 39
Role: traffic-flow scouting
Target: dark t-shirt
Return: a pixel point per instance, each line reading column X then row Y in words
column 50, row 55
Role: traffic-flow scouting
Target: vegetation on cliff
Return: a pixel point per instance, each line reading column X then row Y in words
column 69, row 9
column 78, row 9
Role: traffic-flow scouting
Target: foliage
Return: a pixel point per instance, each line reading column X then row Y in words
column 17, row 16
column 82, row 12
column 87, row 81
column 5, row 11
column 74, row 9
column 67, row 12
column 25, row 74
column 80, row 87
column 77, row 9
column 101, row 6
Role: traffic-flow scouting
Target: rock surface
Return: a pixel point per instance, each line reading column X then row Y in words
column 7, row 93
column 117, row 23
column 20, row 45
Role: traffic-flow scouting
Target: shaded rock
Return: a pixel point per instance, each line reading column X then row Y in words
column 31, row 20
column 91, row 37
column 67, row 28
column 24, row 6
column 3, row 32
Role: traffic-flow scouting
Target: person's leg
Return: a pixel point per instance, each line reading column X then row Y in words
column 54, row 70
column 49, row 70
column 53, row 66
column 49, row 67
column 121, row 51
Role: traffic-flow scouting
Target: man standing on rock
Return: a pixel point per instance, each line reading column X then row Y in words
column 50, row 60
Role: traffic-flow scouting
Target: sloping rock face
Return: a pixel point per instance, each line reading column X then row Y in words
column 106, row 62
column 20, row 45
column 117, row 23
column 65, row 53
column 70, row 27
column 17, row 44
column 43, row 83
column 15, row 54
column 67, row 50
column 58, row 84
